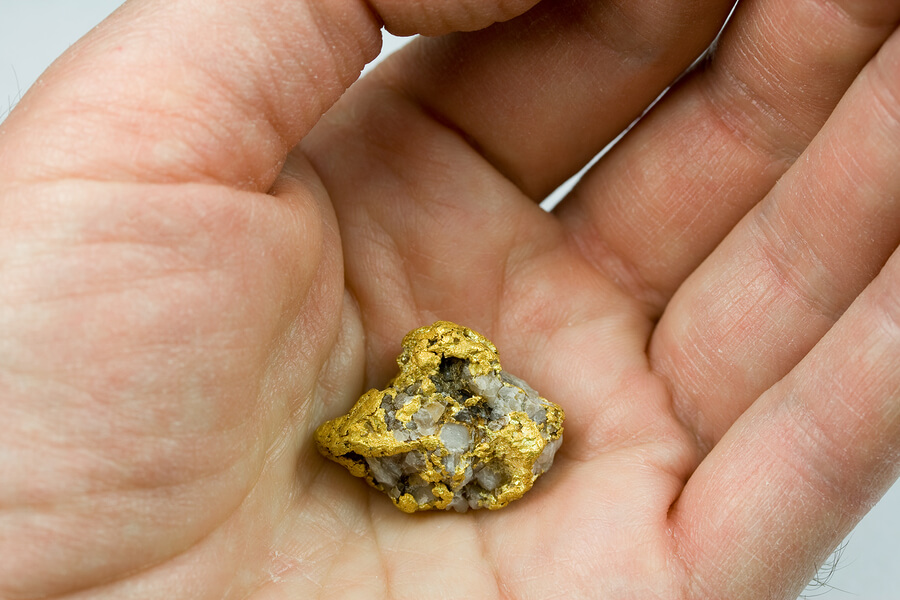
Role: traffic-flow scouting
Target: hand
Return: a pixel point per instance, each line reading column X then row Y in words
column 197, row 271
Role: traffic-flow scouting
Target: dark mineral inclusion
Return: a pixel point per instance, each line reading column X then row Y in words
column 452, row 429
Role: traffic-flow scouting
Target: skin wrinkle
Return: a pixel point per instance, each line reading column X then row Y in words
column 220, row 467
column 103, row 397
column 687, row 413
column 385, row 568
column 218, row 136
column 192, row 116
column 158, row 246
column 372, row 377
column 694, row 585
column 819, row 484
column 702, row 587
column 489, row 557
column 344, row 70
column 788, row 271
column 285, row 391
column 812, row 436
column 84, row 494
column 219, row 431
column 148, row 252
column 619, row 269
column 677, row 561
column 140, row 284
column 302, row 495
column 773, row 139
column 332, row 565
column 109, row 175
column 732, row 114
column 866, row 14
column 272, row 130
column 133, row 573
column 887, row 304
column 886, row 94
column 159, row 229
column 366, row 50
column 847, row 167
column 346, row 349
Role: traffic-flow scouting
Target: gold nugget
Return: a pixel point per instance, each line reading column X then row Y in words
column 451, row 430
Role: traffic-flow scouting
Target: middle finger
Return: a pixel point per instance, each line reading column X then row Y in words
column 538, row 96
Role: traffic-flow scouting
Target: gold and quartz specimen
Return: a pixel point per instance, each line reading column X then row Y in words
column 452, row 430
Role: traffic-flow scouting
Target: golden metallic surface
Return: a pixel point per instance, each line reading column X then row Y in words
column 510, row 446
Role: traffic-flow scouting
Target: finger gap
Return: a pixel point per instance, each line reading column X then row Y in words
column 554, row 198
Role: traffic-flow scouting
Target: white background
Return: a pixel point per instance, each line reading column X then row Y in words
column 34, row 32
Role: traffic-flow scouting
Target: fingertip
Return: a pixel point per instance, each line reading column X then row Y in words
column 439, row 17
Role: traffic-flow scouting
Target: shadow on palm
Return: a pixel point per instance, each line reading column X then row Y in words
column 429, row 231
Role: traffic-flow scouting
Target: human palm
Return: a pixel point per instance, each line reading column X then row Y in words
column 187, row 297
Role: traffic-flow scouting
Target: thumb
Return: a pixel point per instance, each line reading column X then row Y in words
column 218, row 91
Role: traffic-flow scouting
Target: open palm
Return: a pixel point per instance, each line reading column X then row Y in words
column 198, row 270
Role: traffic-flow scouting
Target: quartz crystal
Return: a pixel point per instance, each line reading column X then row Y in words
column 452, row 430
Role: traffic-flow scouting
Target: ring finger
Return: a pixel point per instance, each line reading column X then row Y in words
column 658, row 204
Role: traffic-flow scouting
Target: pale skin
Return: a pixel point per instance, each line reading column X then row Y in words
column 198, row 269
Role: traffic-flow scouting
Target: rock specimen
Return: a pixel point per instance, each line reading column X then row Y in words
column 452, row 429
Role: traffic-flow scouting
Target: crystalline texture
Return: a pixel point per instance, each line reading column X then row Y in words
column 451, row 431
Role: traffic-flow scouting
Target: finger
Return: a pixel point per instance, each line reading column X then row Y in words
column 439, row 17
column 803, row 465
column 788, row 271
column 670, row 191
column 538, row 96
column 214, row 91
